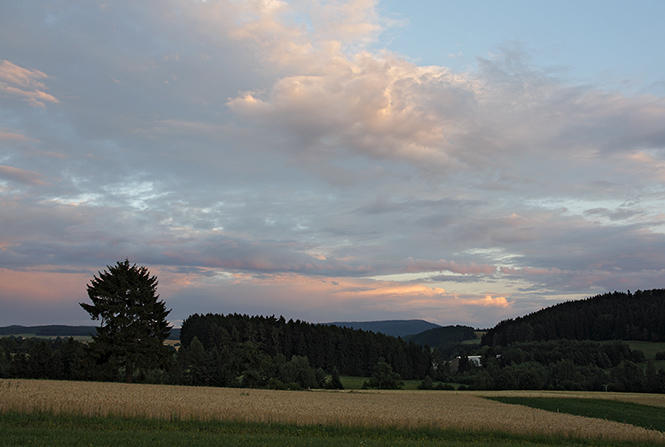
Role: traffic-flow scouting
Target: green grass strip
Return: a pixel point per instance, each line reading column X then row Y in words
column 20, row 429
column 644, row 416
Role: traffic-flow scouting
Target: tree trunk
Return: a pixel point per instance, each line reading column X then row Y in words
column 129, row 372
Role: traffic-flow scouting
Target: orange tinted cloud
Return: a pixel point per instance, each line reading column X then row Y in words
column 490, row 301
column 320, row 296
column 20, row 82
column 14, row 136
column 39, row 286
column 21, row 175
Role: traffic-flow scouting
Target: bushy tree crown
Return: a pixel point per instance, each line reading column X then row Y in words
column 133, row 318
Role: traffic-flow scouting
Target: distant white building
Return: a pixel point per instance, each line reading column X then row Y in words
column 475, row 359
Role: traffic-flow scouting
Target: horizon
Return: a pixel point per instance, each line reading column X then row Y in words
column 359, row 160
column 265, row 316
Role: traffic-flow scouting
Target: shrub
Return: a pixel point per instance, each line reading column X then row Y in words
column 384, row 378
column 426, row 384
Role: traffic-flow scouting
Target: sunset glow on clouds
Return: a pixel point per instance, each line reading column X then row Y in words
column 299, row 158
column 24, row 84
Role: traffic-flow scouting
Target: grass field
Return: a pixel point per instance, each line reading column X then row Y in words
column 329, row 417
column 352, row 382
column 649, row 349
column 645, row 416
column 19, row 429
column 356, row 383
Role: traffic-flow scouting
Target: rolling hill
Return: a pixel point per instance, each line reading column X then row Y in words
column 610, row 316
column 396, row 328
column 59, row 330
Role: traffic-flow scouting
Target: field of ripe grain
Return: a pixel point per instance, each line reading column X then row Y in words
column 465, row 410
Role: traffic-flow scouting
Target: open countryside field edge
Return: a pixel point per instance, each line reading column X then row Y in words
column 403, row 409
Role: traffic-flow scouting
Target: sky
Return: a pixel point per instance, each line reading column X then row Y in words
column 457, row 162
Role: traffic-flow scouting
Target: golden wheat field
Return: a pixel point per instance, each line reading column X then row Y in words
column 466, row 410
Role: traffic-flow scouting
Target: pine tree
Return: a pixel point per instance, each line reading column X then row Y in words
column 133, row 319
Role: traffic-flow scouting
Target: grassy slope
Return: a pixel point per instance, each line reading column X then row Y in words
column 649, row 349
column 652, row 418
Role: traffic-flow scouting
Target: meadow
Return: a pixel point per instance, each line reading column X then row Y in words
column 650, row 349
column 66, row 409
column 630, row 413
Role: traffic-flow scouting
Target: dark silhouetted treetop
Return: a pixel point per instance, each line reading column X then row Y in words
column 351, row 352
column 133, row 318
column 611, row 316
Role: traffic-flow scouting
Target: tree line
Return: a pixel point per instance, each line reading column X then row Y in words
column 243, row 365
column 555, row 364
column 329, row 347
column 610, row 316
column 574, row 365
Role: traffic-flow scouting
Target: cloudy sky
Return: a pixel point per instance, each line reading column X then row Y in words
column 459, row 162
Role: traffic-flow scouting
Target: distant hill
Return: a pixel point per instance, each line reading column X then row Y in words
column 611, row 316
column 396, row 328
column 56, row 330
column 444, row 336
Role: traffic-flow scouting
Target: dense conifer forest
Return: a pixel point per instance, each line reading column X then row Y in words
column 349, row 351
column 611, row 316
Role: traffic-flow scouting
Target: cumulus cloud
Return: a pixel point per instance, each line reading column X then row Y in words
column 377, row 106
column 381, row 106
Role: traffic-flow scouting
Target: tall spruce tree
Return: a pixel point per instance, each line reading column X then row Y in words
column 133, row 319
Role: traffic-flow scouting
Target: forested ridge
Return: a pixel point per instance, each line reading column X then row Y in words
column 396, row 328
column 610, row 316
column 349, row 351
column 448, row 340
column 53, row 330
column 61, row 330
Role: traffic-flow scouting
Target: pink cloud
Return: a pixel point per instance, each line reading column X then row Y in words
column 292, row 295
column 23, row 83
column 36, row 286
column 21, row 175
column 14, row 136
column 426, row 265
column 333, row 298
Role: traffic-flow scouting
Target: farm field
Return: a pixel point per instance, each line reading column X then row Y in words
column 649, row 348
column 630, row 413
column 348, row 411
